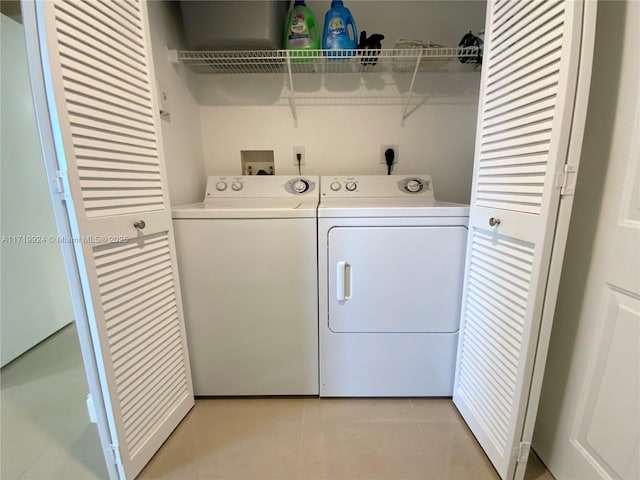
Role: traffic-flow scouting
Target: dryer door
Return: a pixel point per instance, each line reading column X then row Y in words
column 395, row 279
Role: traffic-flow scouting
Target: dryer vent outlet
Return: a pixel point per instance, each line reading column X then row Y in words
column 383, row 149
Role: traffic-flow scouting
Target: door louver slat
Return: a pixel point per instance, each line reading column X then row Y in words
column 513, row 17
column 89, row 168
column 533, row 137
column 482, row 300
column 476, row 393
column 501, row 13
column 529, row 97
column 124, row 17
column 542, row 70
column 492, row 334
column 538, row 120
column 84, row 110
column 523, row 66
column 121, row 326
column 121, row 71
column 104, row 48
column 115, row 298
column 140, row 309
column 164, row 336
column 115, row 26
column 489, row 333
column 155, row 413
column 523, row 167
column 129, row 384
column 148, row 305
column 127, row 6
column 496, row 296
column 530, row 48
column 521, row 115
column 540, row 16
column 110, row 157
column 497, row 389
column 151, row 382
column 128, row 355
column 102, row 114
column 75, row 83
column 520, row 93
column 515, row 133
column 127, row 141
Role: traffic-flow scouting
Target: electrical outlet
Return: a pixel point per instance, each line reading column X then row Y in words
column 296, row 151
column 396, row 151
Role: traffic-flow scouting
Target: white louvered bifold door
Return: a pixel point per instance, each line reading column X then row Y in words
column 527, row 100
column 98, row 72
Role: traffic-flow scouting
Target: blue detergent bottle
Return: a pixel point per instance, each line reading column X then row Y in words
column 340, row 31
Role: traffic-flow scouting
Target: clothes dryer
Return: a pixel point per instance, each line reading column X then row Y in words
column 391, row 263
column 248, row 274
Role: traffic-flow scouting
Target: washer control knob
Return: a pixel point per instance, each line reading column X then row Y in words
column 413, row 186
column 350, row 186
column 301, row 186
column 236, row 186
column 335, row 186
column 221, row 186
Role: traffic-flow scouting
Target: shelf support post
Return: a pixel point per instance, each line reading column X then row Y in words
column 413, row 79
column 293, row 92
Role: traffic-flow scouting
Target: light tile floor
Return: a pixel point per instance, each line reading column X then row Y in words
column 46, row 433
column 44, row 426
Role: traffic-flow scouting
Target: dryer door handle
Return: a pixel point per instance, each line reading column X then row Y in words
column 344, row 281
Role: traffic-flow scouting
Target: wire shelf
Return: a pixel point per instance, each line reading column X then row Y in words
column 396, row 60
column 407, row 57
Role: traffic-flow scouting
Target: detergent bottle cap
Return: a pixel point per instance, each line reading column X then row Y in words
column 337, row 3
column 298, row 3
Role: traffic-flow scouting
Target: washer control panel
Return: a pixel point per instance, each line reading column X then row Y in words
column 300, row 185
column 414, row 184
column 258, row 186
column 372, row 186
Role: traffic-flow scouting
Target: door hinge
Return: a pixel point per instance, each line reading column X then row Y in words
column 114, row 454
column 521, row 452
column 58, row 184
column 91, row 408
column 566, row 180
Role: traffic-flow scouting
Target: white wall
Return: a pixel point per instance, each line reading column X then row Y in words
column 346, row 140
column 343, row 135
column 180, row 130
column 35, row 301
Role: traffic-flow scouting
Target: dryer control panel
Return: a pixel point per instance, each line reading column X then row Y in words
column 377, row 186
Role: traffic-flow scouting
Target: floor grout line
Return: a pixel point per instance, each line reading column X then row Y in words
column 301, row 443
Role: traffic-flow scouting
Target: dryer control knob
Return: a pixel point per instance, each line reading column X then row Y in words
column 351, row 186
column 335, row 186
column 220, row 186
column 413, row 186
column 301, row 186
column 236, row 186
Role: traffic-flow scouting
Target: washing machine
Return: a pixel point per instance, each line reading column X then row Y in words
column 390, row 264
column 248, row 274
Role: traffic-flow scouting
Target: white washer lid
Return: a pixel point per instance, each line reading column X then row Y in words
column 389, row 207
column 240, row 208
